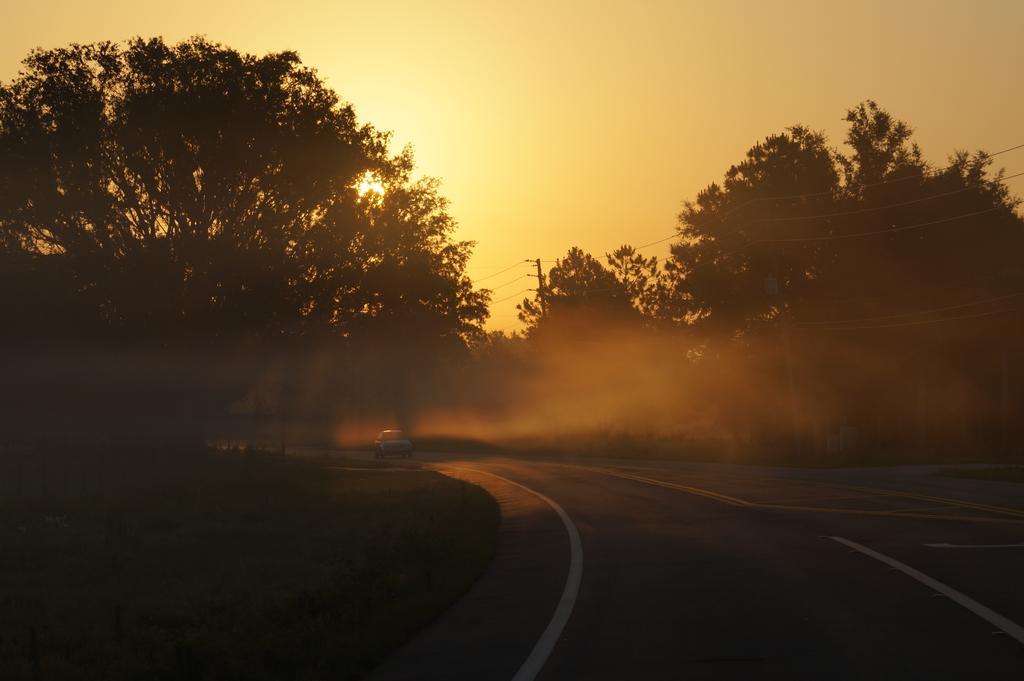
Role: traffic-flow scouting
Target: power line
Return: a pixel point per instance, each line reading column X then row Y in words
column 487, row 268
column 649, row 244
column 509, row 283
column 909, row 314
column 948, row 286
column 652, row 243
column 840, row 214
column 510, row 267
column 874, row 208
column 832, row 237
column 917, row 323
column 854, row 235
column 861, row 210
column 501, row 300
column 1003, row 151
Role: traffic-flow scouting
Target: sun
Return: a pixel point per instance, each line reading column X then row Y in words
column 368, row 183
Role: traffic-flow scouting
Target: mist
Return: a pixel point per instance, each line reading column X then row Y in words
column 593, row 385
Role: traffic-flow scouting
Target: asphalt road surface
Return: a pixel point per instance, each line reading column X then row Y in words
column 702, row 571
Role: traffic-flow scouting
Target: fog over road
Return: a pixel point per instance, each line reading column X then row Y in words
column 703, row 571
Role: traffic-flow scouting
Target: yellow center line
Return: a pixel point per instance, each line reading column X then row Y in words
column 889, row 514
column 874, row 491
column 1001, row 510
column 918, row 509
column 733, row 501
column 894, row 513
column 845, row 497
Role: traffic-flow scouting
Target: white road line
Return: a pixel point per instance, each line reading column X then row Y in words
column 995, row 619
column 546, row 643
column 975, row 546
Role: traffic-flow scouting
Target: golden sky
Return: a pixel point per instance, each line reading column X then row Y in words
column 555, row 124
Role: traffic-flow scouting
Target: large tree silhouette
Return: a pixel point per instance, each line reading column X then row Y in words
column 190, row 191
column 798, row 217
column 175, row 217
column 900, row 281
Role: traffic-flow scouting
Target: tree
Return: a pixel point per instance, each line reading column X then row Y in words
column 152, row 191
column 719, row 283
column 882, row 146
column 865, row 256
column 788, row 218
column 577, row 284
column 189, row 199
column 646, row 283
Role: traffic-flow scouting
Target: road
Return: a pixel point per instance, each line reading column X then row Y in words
column 701, row 571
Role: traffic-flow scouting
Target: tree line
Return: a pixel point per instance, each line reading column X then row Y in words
column 877, row 289
column 186, row 229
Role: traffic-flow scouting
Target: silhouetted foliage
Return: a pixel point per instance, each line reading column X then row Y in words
column 862, row 256
column 645, row 282
column 816, row 288
column 737, row 236
column 578, row 284
column 199, row 206
column 719, row 283
column 230, row 212
column 190, row 191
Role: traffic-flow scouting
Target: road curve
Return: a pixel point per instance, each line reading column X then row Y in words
column 533, row 664
column 717, row 572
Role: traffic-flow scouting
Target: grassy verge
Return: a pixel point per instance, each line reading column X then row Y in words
column 998, row 473
column 779, row 452
column 232, row 568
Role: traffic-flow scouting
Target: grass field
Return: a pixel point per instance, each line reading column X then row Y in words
column 232, row 567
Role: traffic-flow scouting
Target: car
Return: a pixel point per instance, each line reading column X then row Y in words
column 392, row 442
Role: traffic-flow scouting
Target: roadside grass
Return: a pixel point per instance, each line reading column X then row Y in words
column 997, row 473
column 234, row 567
column 781, row 452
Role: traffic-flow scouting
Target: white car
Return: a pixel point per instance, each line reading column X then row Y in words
column 392, row 442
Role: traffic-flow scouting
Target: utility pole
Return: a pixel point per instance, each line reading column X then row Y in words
column 541, row 293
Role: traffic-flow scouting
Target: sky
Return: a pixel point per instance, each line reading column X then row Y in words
column 559, row 124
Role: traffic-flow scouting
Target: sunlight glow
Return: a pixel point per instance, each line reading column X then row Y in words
column 368, row 183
